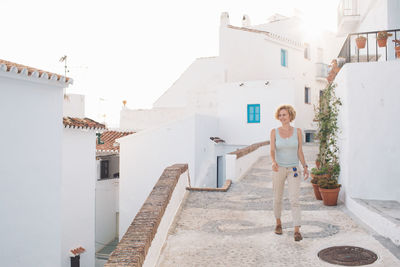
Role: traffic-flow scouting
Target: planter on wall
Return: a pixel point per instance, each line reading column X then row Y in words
column 361, row 41
column 397, row 50
column 382, row 42
column 329, row 196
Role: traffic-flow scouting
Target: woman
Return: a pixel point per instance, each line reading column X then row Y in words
column 286, row 151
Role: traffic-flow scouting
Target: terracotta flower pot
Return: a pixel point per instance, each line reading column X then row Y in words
column 361, row 41
column 397, row 49
column 316, row 187
column 329, row 196
column 382, row 42
column 316, row 191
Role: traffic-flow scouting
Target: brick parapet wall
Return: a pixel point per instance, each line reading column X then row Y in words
column 134, row 245
column 247, row 150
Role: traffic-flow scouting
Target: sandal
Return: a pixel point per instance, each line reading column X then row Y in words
column 297, row 236
column 278, row 229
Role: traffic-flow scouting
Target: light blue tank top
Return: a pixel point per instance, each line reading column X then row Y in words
column 286, row 149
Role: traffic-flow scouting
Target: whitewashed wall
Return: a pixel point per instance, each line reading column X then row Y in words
column 201, row 73
column 369, row 141
column 74, row 106
column 30, row 171
column 142, row 119
column 205, row 153
column 78, row 195
column 145, row 155
column 143, row 158
column 249, row 56
column 106, row 211
column 393, row 14
column 237, row 167
column 232, row 109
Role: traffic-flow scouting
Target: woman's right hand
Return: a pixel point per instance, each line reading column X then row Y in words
column 275, row 166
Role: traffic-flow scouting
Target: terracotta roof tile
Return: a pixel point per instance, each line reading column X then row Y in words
column 82, row 123
column 8, row 66
column 108, row 138
column 77, row 251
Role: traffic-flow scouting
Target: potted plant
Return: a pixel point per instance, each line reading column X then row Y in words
column 329, row 187
column 382, row 38
column 397, row 48
column 326, row 116
column 361, row 41
column 317, row 174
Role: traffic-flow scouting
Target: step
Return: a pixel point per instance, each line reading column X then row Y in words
column 383, row 216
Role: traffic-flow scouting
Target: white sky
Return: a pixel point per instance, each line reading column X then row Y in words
column 131, row 50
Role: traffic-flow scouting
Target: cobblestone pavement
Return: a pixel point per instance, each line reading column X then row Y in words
column 235, row 228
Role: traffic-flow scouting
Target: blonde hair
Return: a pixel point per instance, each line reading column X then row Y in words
column 290, row 110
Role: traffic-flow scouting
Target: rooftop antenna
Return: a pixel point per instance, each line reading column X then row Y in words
column 64, row 59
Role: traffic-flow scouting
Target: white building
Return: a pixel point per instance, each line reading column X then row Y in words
column 275, row 56
column 31, row 102
column 78, row 189
column 232, row 96
column 258, row 68
column 369, row 146
column 107, row 193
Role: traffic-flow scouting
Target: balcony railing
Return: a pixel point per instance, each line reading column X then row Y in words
column 372, row 52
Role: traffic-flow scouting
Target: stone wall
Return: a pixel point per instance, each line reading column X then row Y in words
column 134, row 245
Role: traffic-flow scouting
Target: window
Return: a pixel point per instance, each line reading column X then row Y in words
column 321, row 94
column 284, row 58
column 253, row 113
column 310, row 137
column 307, row 95
column 104, row 164
column 307, row 51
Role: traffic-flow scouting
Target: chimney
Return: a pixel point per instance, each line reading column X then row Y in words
column 246, row 21
column 224, row 19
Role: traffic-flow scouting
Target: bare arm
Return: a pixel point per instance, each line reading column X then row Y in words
column 272, row 152
column 300, row 153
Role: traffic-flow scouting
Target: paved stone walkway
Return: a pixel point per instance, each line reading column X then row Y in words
column 235, row 228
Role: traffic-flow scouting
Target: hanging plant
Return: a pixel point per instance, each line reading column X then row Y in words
column 361, row 41
column 382, row 37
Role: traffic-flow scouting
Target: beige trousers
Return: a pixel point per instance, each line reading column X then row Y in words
column 278, row 183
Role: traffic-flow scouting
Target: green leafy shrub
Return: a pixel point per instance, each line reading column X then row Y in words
column 327, row 117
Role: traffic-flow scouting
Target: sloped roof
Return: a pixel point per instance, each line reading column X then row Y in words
column 108, row 138
column 8, row 66
column 83, row 123
column 271, row 28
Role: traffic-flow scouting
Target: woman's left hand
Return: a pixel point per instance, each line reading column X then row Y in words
column 306, row 174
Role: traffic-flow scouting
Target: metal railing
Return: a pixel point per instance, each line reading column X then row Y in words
column 372, row 52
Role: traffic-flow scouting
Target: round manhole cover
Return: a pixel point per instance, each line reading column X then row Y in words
column 347, row 256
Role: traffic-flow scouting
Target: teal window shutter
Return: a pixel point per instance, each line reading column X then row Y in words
column 253, row 113
column 283, row 57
